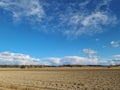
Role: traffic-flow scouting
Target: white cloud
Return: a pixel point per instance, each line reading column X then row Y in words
column 90, row 24
column 52, row 61
column 72, row 60
column 86, row 21
column 95, row 19
column 104, row 62
column 91, row 55
column 115, row 60
column 116, row 57
column 104, row 3
column 89, row 51
column 72, row 18
column 23, row 8
column 81, row 60
column 83, row 4
column 115, row 43
column 9, row 58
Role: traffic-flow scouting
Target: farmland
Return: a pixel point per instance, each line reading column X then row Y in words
column 60, row 78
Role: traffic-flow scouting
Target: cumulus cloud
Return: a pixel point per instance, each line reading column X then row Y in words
column 81, row 60
column 8, row 58
column 116, row 57
column 52, row 61
column 105, row 62
column 115, row 60
column 72, row 60
column 23, row 8
column 115, row 43
column 89, row 52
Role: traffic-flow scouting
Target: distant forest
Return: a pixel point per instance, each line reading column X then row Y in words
column 42, row 66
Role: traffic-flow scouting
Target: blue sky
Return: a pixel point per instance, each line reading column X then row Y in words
column 59, row 32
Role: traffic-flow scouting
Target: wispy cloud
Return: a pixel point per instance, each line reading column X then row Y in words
column 23, row 8
column 97, row 18
column 104, row 46
column 115, row 43
column 89, row 21
column 8, row 58
column 76, row 18
column 97, row 39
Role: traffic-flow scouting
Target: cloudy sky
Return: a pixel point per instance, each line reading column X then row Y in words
column 60, row 32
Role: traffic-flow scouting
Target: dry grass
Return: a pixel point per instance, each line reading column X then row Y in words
column 60, row 78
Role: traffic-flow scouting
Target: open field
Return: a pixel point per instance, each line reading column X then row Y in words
column 60, row 78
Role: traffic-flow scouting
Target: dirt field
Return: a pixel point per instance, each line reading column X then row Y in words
column 60, row 79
